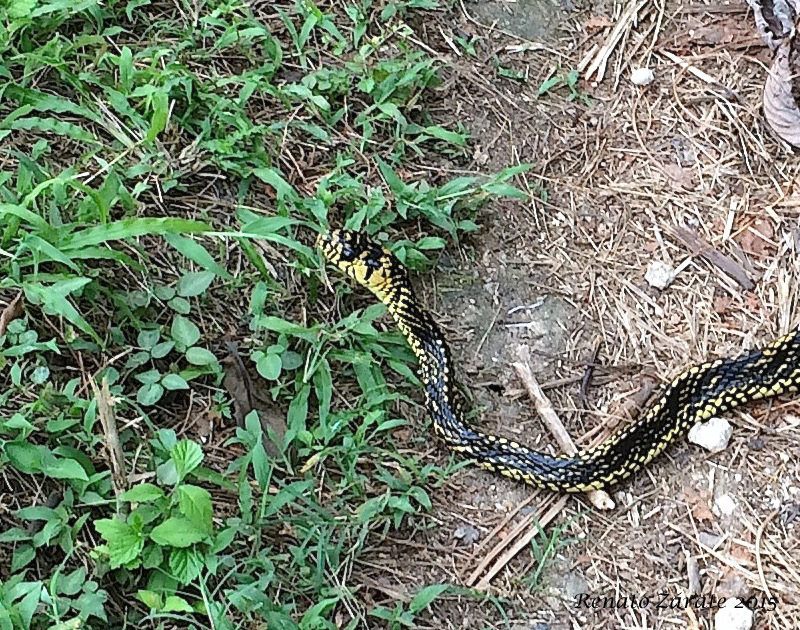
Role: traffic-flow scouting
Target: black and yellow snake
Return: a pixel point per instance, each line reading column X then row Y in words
column 697, row 394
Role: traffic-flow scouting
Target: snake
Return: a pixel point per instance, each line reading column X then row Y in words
column 696, row 394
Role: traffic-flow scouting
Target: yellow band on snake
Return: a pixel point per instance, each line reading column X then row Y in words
column 698, row 393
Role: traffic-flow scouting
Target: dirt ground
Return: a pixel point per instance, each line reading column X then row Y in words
column 564, row 276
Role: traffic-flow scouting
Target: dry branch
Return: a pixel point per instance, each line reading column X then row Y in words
column 699, row 247
column 108, row 420
column 599, row 498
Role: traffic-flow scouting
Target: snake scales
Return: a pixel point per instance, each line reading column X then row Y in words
column 698, row 393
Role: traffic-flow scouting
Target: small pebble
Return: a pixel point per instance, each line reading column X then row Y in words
column 733, row 615
column 724, row 505
column 642, row 76
column 712, row 435
column 467, row 534
column 659, row 275
column 708, row 539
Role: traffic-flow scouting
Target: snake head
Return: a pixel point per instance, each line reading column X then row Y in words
column 359, row 257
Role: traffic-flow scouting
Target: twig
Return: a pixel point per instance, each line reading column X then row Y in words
column 108, row 420
column 486, row 334
column 599, row 498
column 597, row 62
column 588, row 373
column 523, row 541
column 759, row 536
column 703, row 76
column 698, row 247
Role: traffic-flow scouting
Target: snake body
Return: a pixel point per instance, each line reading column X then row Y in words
column 697, row 394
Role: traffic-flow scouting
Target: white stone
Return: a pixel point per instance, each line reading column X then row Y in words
column 712, row 435
column 724, row 505
column 733, row 615
column 659, row 275
column 642, row 76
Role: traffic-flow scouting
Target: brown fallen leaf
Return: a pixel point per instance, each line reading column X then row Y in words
column 680, row 177
column 699, row 505
column 755, row 241
column 781, row 91
column 236, row 380
column 10, row 313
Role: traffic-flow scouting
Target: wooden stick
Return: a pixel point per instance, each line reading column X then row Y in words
column 598, row 60
column 599, row 498
column 699, row 247
column 523, row 541
column 108, row 420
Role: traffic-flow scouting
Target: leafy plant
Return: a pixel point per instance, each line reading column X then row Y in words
column 570, row 80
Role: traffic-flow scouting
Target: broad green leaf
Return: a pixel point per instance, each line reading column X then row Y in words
column 53, row 299
column 194, row 283
column 28, row 604
column 177, row 532
column 184, row 331
column 174, row 603
column 198, row 254
column 174, row 382
column 24, row 456
column 425, row 597
column 269, row 366
column 195, row 504
column 149, row 394
column 187, row 456
column 63, row 469
column 150, row 599
column 200, row 356
column 185, row 564
column 431, row 242
column 142, row 493
column 124, row 543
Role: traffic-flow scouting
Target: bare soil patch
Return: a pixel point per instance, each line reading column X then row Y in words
column 564, row 275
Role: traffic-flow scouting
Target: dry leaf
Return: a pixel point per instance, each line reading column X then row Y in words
column 699, row 505
column 10, row 312
column 236, row 380
column 753, row 241
column 780, row 93
column 680, row 177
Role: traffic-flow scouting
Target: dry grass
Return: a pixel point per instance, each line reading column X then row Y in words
column 691, row 149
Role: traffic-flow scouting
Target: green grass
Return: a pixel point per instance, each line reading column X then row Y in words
column 164, row 168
